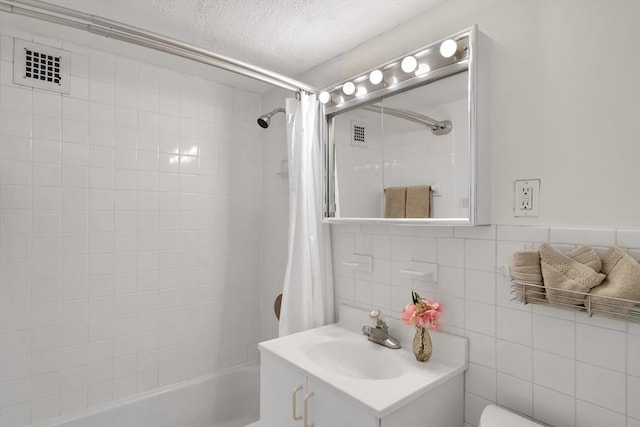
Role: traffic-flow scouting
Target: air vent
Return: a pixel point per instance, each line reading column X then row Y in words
column 40, row 66
column 358, row 135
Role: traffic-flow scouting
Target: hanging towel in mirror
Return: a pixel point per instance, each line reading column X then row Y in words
column 419, row 201
column 395, row 199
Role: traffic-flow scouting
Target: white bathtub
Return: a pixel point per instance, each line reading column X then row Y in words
column 229, row 398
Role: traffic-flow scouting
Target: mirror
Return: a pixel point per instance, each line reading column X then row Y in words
column 409, row 151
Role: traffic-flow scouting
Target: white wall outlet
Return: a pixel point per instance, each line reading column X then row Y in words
column 527, row 198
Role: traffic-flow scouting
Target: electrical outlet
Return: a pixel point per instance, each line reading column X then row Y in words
column 527, row 197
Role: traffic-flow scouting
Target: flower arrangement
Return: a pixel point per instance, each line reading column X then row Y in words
column 424, row 312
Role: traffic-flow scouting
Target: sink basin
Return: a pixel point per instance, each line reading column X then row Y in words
column 379, row 379
column 363, row 360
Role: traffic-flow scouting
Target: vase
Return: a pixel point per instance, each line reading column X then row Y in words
column 422, row 347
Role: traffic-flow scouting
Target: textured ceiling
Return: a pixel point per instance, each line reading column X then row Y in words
column 288, row 36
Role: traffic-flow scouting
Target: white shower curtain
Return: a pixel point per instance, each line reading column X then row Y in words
column 307, row 295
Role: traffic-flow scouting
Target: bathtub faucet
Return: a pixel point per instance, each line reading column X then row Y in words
column 379, row 334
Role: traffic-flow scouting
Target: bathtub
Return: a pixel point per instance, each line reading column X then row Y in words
column 228, row 398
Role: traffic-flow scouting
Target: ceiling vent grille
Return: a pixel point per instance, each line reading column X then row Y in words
column 41, row 67
column 358, row 135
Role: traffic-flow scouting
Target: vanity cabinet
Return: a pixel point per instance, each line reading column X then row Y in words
column 280, row 381
column 282, row 387
column 332, row 376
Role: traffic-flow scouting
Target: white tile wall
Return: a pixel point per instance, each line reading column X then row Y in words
column 129, row 222
column 275, row 218
column 560, row 367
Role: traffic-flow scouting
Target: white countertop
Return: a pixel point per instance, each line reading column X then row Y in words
column 378, row 396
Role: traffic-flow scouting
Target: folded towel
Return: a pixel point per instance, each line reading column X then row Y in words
column 563, row 272
column 419, row 201
column 623, row 281
column 395, row 199
column 527, row 259
column 586, row 255
column 527, row 275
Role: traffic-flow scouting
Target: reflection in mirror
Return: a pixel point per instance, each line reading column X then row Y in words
column 413, row 146
column 416, row 139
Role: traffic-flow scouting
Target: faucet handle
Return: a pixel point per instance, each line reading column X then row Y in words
column 378, row 320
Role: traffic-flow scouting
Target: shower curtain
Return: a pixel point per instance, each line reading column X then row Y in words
column 307, row 295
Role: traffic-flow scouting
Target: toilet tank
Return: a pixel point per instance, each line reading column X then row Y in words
column 492, row 416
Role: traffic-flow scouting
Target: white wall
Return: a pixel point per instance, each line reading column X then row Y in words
column 275, row 212
column 561, row 72
column 359, row 168
column 129, row 227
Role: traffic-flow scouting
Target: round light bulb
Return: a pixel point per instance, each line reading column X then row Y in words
column 391, row 81
column 409, row 64
column 448, row 48
column 349, row 88
column 362, row 91
column 423, row 69
column 324, row 97
column 375, row 77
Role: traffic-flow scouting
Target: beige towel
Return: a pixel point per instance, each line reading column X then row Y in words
column 395, row 199
column 527, row 261
column 623, row 281
column 527, row 275
column 419, row 201
column 563, row 272
column 586, row 255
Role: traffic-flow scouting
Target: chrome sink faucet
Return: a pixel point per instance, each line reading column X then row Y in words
column 379, row 334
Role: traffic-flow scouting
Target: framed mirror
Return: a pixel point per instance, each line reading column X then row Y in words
column 406, row 141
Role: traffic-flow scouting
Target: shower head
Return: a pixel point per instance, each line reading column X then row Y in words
column 265, row 119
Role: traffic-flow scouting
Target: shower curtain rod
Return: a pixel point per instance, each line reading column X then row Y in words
column 119, row 31
column 442, row 127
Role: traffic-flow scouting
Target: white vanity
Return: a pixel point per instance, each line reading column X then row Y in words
column 334, row 377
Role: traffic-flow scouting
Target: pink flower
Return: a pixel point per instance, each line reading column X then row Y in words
column 408, row 315
column 424, row 312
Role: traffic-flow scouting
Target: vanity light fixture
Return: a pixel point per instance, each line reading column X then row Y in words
column 423, row 69
column 361, row 91
column 349, row 88
column 375, row 77
column 391, row 81
column 422, row 65
column 324, row 97
column 448, row 48
column 409, row 64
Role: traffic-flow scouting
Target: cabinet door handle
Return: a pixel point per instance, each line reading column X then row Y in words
column 293, row 403
column 306, row 412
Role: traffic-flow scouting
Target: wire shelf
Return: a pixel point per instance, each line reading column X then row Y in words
column 612, row 307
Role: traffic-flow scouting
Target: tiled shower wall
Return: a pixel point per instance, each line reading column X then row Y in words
column 561, row 367
column 129, row 215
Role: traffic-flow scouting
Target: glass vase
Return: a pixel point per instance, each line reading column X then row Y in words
column 422, row 346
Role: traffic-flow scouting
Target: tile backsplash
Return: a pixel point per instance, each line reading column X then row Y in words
column 559, row 367
column 129, row 212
